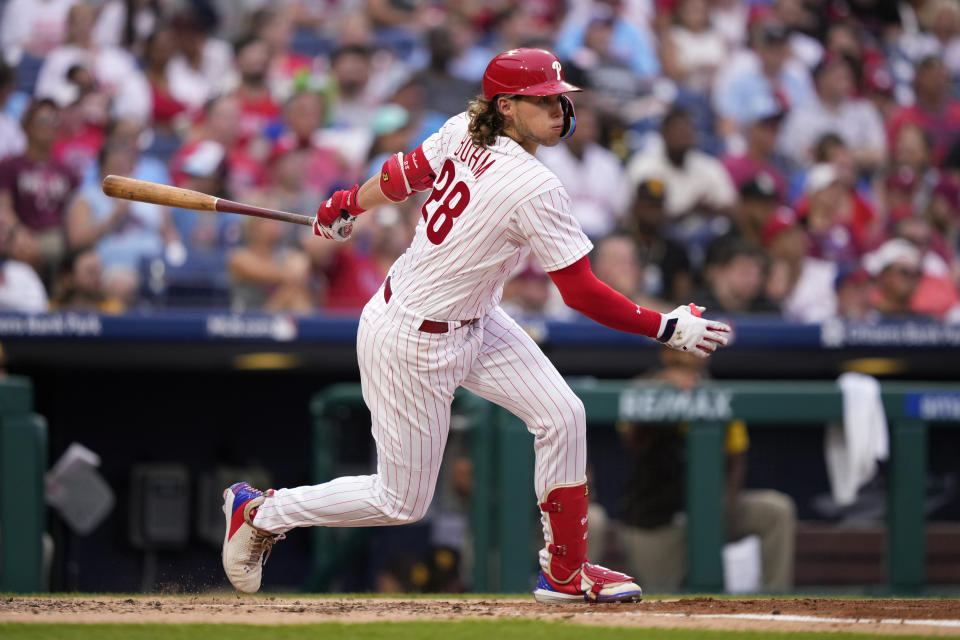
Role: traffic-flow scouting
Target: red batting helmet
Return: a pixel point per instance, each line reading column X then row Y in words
column 525, row 72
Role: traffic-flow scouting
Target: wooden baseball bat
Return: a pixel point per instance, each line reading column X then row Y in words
column 163, row 194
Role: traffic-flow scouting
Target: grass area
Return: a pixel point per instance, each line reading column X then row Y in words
column 463, row 630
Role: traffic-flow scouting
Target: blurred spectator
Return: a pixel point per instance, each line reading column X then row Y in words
column 20, row 288
column 734, row 278
column 841, row 222
column 801, row 285
column 444, row 92
column 729, row 18
column 764, row 72
column 355, row 97
column 693, row 49
column 910, row 178
column 801, row 19
column 32, row 27
column 124, row 233
column 288, row 70
column 758, row 201
column 596, row 65
column 896, row 269
column 34, row 191
column 80, row 285
column 625, row 41
column 762, row 128
column 165, row 111
column 936, row 293
column 695, row 182
column 654, row 528
column 109, row 67
column 82, row 126
column 202, row 166
column 355, row 270
column 934, row 110
column 592, row 175
column 392, row 129
column 13, row 142
column 242, row 171
column 288, row 189
column 203, row 65
column 526, row 295
column 257, row 108
column 264, row 275
column 852, row 288
column 943, row 20
column 835, row 110
column 126, row 23
column 667, row 272
column 615, row 261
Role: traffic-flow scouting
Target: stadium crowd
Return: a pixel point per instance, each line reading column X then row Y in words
column 799, row 157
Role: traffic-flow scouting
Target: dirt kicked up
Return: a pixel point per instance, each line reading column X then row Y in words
column 917, row 617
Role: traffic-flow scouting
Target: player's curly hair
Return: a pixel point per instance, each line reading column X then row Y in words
column 486, row 121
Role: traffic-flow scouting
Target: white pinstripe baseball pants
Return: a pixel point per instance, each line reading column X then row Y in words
column 408, row 379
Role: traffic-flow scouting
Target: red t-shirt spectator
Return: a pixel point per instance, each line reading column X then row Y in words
column 39, row 191
column 353, row 278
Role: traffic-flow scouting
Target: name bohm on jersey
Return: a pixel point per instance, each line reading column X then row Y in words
column 477, row 159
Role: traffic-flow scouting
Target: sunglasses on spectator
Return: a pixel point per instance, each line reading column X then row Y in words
column 907, row 272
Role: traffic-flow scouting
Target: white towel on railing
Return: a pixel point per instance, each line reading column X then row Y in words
column 852, row 451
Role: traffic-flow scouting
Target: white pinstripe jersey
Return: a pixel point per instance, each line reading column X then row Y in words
column 489, row 208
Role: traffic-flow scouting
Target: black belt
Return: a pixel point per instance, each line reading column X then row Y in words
column 427, row 326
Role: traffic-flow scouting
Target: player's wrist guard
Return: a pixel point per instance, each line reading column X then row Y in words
column 685, row 330
column 402, row 175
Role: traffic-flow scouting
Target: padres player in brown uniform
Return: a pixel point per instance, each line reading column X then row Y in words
column 436, row 325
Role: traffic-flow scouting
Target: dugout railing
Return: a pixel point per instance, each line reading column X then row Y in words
column 23, row 512
column 504, row 517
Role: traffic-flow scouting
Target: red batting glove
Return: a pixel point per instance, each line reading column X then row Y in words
column 339, row 202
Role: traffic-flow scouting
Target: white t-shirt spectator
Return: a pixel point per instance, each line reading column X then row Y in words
column 812, row 298
column 108, row 31
column 857, row 122
column 12, row 140
column 702, row 179
column 193, row 87
column 21, row 289
column 110, row 66
column 33, row 26
column 699, row 54
column 595, row 185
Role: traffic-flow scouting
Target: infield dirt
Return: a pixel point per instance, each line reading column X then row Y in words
column 917, row 617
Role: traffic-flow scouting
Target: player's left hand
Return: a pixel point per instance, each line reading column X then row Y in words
column 685, row 330
column 341, row 202
column 339, row 230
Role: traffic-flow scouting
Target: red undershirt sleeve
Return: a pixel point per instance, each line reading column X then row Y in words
column 581, row 290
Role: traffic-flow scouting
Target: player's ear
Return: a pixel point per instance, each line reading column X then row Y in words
column 505, row 105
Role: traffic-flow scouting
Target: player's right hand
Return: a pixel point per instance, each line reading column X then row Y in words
column 685, row 330
column 341, row 202
column 339, row 230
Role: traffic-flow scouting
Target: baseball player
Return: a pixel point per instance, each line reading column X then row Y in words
column 435, row 325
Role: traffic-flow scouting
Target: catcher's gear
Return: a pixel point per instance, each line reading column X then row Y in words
column 339, row 230
column 341, row 202
column 404, row 174
column 685, row 330
column 530, row 72
column 245, row 548
column 566, row 575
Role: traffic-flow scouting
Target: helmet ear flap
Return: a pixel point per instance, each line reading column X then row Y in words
column 569, row 117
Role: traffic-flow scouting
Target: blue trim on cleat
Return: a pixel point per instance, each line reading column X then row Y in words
column 242, row 492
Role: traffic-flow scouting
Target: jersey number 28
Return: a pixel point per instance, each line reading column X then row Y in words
column 452, row 200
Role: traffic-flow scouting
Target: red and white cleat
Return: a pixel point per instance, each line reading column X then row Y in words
column 244, row 546
column 592, row 583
